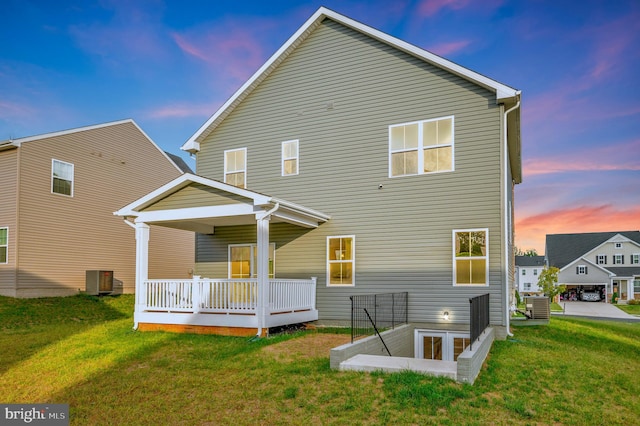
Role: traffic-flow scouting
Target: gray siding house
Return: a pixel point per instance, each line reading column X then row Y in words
column 602, row 263
column 528, row 269
column 356, row 163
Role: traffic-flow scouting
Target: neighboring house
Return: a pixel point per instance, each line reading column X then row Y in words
column 57, row 198
column 350, row 163
column 600, row 263
column 528, row 269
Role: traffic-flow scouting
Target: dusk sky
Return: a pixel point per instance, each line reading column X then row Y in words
column 169, row 65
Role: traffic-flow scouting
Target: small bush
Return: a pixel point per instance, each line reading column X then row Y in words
column 634, row 302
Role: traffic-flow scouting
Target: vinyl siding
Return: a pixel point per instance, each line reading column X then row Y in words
column 61, row 237
column 197, row 195
column 9, row 218
column 404, row 230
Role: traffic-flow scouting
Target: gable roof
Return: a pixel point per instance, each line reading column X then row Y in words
column 529, row 260
column 178, row 161
column 502, row 91
column 562, row 249
column 15, row 143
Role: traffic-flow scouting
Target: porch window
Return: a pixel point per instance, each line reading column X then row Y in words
column 601, row 259
column 421, row 147
column 635, row 259
column 618, row 259
column 471, row 257
column 4, row 245
column 341, row 260
column 243, row 261
column 235, row 167
column 290, row 158
column 61, row 177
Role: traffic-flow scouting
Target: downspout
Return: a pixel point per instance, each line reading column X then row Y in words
column 261, row 291
column 506, row 222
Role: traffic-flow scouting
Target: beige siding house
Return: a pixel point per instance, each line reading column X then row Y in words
column 58, row 194
column 358, row 163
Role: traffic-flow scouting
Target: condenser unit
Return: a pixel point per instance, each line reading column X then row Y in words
column 99, row 282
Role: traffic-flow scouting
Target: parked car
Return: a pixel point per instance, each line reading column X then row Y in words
column 590, row 296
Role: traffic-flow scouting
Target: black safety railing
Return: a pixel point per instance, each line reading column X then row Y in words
column 479, row 317
column 371, row 312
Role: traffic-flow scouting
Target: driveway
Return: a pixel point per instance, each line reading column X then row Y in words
column 595, row 309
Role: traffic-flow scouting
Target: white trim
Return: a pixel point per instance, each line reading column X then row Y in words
column 73, row 180
column 615, row 257
column 635, row 261
column 353, row 261
column 421, row 148
column 6, row 246
column 243, row 170
column 502, row 91
column 285, row 158
column 485, row 257
column 197, row 213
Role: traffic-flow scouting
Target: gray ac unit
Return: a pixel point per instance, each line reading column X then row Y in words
column 99, row 282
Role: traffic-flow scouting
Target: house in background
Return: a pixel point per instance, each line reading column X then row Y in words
column 57, row 198
column 597, row 264
column 528, row 269
column 350, row 163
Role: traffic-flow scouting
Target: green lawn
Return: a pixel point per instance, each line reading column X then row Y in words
column 630, row 309
column 81, row 351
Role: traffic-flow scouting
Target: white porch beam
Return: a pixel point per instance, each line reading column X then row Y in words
column 197, row 213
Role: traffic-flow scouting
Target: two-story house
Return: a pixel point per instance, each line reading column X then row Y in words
column 350, row 163
column 528, row 269
column 57, row 198
column 601, row 264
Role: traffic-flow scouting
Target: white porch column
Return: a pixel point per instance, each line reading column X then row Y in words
column 142, row 263
column 263, row 269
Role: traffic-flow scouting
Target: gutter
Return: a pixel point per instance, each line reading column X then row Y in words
column 506, row 231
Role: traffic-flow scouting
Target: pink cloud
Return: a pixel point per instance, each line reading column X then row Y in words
column 182, row 110
column 15, row 110
column 433, row 7
column 532, row 230
column 450, row 48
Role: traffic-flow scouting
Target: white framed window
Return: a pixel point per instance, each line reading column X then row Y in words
column 235, row 167
column 61, row 177
column 4, row 245
column 524, row 272
column 421, row 147
column 635, row 259
column 535, row 272
column 618, row 259
column 601, row 259
column 582, row 270
column 618, row 245
column 341, row 258
column 290, row 158
column 471, row 257
column 527, row 287
column 439, row 345
column 243, row 260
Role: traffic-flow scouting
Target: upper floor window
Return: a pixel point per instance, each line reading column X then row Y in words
column 471, row 257
column 581, row 270
column 618, row 245
column 290, row 158
column 601, row 259
column 235, row 167
column 341, row 257
column 61, row 177
column 524, row 272
column 635, row 259
column 4, row 245
column 421, row 147
column 535, row 272
column 618, row 259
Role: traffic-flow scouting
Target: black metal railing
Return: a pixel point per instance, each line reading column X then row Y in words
column 386, row 310
column 479, row 317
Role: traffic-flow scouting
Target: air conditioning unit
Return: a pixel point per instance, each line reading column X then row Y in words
column 99, row 282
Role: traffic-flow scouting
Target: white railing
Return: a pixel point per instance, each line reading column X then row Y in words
column 238, row 296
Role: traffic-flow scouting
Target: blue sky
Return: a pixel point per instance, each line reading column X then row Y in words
column 170, row 64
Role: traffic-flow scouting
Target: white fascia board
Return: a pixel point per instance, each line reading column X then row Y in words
column 130, row 209
column 502, row 91
column 316, row 215
column 206, row 212
column 70, row 131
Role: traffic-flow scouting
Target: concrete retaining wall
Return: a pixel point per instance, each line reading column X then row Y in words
column 470, row 361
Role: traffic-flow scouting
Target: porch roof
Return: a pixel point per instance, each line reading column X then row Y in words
column 199, row 204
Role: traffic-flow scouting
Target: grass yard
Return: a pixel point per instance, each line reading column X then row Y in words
column 630, row 309
column 81, row 350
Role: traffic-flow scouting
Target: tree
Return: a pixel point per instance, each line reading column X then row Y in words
column 520, row 252
column 548, row 282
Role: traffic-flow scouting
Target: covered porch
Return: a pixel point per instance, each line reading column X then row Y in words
column 231, row 306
